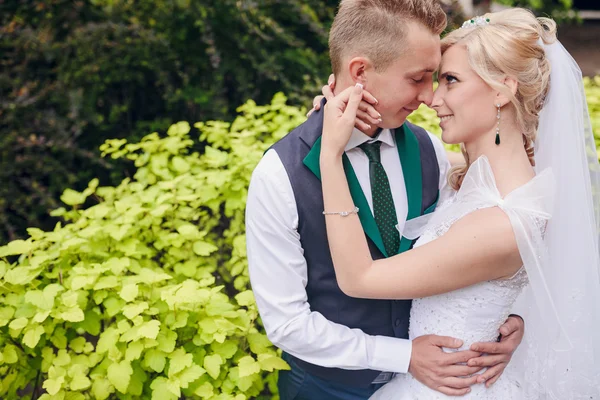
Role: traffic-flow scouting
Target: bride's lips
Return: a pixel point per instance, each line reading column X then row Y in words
column 444, row 119
column 409, row 110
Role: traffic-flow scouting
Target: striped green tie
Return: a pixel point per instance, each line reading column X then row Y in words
column 384, row 210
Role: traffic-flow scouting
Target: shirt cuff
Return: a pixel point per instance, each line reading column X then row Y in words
column 389, row 354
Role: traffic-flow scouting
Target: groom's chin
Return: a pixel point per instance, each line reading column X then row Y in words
column 391, row 123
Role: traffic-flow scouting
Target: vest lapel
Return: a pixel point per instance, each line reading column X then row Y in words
column 364, row 212
column 410, row 159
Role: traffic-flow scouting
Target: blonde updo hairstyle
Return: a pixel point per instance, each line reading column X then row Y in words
column 509, row 46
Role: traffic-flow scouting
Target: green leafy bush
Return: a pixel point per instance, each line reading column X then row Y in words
column 143, row 293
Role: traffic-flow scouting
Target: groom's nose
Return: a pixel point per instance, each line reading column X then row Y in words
column 426, row 95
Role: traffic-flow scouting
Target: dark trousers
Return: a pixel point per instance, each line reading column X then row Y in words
column 297, row 384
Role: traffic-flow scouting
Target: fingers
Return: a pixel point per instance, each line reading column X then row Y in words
column 493, row 347
column 362, row 125
column 460, row 370
column 367, row 118
column 512, row 325
column 369, row 98
column 327, row 92
column 341, row 101
column 353, row 102
column 317, row 102
column 331, row 81
column 460, row 383
column 316, row 105
column 488, row 361
column 459, row 357
column 369, row 109
column 491, row 375
column 445, row 341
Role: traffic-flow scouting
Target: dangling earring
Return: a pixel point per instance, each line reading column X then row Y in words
column 498, row 126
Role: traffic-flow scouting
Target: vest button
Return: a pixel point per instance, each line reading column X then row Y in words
column 397, row 322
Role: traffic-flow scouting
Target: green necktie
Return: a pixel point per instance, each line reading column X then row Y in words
column 384, row 210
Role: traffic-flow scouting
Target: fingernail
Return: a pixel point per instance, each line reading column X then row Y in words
column 368, row 126
column 379, row 114
column 330, row 81
column 359, row 85
column 376, row 101
column 457, row 342
column 380, row 120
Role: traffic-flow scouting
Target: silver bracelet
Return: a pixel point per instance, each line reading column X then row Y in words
column 342, row 213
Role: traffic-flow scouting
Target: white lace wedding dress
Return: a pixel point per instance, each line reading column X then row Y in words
column 475, row 313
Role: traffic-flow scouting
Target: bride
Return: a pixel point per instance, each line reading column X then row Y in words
column 522, row 226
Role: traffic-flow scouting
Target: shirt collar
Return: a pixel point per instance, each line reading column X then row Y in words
column 358, row 137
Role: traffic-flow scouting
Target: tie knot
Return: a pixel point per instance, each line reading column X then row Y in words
column 372, row 150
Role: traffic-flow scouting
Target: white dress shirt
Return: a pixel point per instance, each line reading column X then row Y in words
column 278, row 269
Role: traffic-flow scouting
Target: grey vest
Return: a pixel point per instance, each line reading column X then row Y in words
column 374, row 317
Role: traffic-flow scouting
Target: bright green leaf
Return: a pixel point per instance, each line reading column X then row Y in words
column 80, row 382
column 248, row 366
column 178, row 361
column 270, row 363
column 155, row 360
column 52, row 386
column 18, row 324
column 190, row 374
column 203, row 248
column 129, row 292
column 212, row 365
column 119, row 375
column 245, row 298
column 108, row 339
column 32, row 336
column 74, row 314
column 134, row 351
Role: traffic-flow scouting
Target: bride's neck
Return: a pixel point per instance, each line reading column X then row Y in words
column 509, row 160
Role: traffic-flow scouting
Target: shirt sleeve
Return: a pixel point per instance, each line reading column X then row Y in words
column 278, row 274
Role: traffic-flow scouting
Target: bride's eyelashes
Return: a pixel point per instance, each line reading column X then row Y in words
column 447, row 78
column 450, row 79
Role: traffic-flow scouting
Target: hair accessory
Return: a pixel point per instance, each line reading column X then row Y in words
column 475, row 22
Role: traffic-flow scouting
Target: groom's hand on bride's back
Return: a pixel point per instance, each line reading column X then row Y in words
column 441, row 371
column 497, row 355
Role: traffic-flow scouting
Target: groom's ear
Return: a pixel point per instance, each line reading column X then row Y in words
column 360, row 68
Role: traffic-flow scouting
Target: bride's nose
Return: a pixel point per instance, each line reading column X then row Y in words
column 438, row 99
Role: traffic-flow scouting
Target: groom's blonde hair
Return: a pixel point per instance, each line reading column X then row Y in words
column 376, row 29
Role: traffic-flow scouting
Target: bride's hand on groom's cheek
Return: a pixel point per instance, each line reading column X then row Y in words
column 444, row 372
column 497, row 355
column 366, row 115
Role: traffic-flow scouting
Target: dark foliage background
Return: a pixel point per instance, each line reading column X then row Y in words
column 74, row 73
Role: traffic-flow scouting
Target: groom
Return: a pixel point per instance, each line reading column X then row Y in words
column 340, row 347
